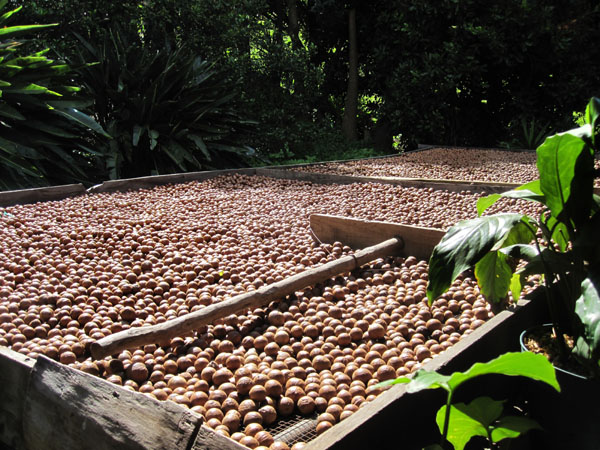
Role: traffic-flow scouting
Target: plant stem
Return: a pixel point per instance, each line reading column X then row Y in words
column 446, row 420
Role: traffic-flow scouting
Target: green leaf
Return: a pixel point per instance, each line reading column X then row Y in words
column 425, row 379
column 19, row 29
column 493, row 275
column 461, row 427
column 484, row 410
column 463, row 246
column 387, row 383
column 560, row 262
column 7, row 14
column 82, row 119
column 31, row 88
column 137, row 131
column 512, row 427
column 521, row 251
column 8, row 111
column 587, row 308
column 525, row 364
column 200, row 145
column 592, row 111
column 516, row 286
column 530, row 191
column 559, row 159
column 558, row 232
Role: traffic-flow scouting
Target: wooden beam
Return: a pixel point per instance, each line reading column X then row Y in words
column 157, row 180
column 448, row 185
column 135, row 337
column 377, row 424
column 208, row 439
column 69, row 409
column 15, row 369
column 358, row 233
column 44, row 194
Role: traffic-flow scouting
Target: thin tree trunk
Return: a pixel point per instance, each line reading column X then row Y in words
column 351, row 105
column 294, row 30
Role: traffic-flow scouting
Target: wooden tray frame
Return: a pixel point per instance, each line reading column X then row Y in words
column 37, row 408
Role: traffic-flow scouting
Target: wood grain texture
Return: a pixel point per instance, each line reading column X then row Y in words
column 452, row 186
column 15, row 369
column 358, row 233
column 44, row 194
column 135, row 337
column 207, row 439
column 157, row 180
column 69, row 409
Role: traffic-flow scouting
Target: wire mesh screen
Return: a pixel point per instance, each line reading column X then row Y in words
column 294, row 429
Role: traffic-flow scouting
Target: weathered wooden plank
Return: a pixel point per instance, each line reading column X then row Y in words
column 15, row 369
column 207, row 439
column 44, row 194
column 452, row 186
column 399, row 420
column 157, row 180
column 69, row 409
column 358, row 233
column 134, row 337
column 338, row 161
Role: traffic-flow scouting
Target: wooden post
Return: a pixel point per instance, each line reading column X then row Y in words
column 14, row 378
column 135, row 337
column 69, row 409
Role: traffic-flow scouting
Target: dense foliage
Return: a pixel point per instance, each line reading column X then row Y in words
column 166, row 110
column 43, row 134
column 565, row 248
column 450, row 72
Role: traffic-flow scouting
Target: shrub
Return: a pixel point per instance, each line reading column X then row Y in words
column 167, row 110
column 43, row 133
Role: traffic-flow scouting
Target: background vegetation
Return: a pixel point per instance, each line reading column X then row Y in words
column 320, row 78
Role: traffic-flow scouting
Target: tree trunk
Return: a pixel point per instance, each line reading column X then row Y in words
column 294, row 31
column 351, row 105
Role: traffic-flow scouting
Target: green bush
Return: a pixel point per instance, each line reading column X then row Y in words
column 44, row 135
column 166, row 110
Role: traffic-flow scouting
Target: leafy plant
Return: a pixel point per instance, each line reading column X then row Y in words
column 460, row 422
column 565, row 248
column 531, row 135
column 43, row 133
column 166, row 110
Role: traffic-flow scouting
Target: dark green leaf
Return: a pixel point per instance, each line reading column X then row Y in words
column 20, row 29
column 521, row 251
column 558, row 232
column 463, row 246
column 82, row 119
column 461, row 427
column 512, row 427
column 587, row 309
column 484, row 410
column 137, row 131
column 8, row 111
column 516, row 286
column 493, row 275
column 526, row 364
column 530, row 191
column 592, row 111
column 559, row 160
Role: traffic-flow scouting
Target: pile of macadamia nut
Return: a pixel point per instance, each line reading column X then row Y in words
column 443, row 164
column 77, row 270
